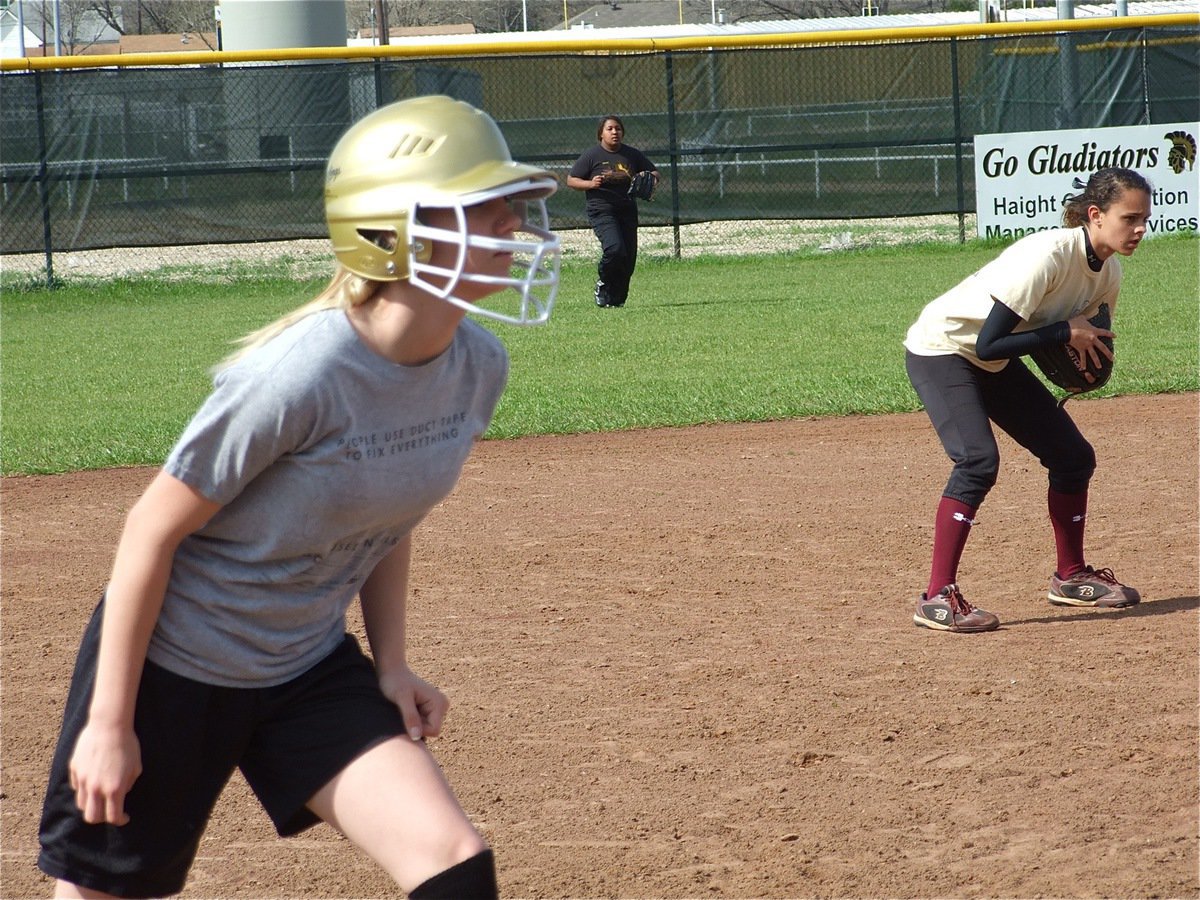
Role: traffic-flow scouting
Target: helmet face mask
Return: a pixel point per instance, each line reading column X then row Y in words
column 534, row 249
column 439, row 153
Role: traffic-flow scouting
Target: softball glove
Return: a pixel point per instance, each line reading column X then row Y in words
column 642, row 185
column 1062, row 365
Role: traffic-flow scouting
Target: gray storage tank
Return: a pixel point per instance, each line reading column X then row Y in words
column 293, row 117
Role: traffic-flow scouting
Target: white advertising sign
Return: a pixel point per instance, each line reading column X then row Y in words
column 1022, row 179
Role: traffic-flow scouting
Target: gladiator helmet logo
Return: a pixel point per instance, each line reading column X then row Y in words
column 1183, row 151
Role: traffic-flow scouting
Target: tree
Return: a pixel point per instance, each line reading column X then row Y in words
column 78, row 26
column 156, row 16
column 487, row 16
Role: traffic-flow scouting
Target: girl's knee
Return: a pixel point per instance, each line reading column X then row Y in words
column 974, row 477
column 1072, row 474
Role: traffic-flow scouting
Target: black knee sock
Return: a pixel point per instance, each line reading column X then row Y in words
column 471, row 879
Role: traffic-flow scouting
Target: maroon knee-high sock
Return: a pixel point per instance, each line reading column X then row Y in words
column 951, row 528
column 1068, row 516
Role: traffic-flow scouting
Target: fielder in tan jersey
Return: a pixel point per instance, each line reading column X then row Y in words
column 1044, row 278
column 963, row 358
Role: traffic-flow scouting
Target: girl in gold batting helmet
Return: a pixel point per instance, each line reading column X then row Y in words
column 398, row 184
column 220, row 642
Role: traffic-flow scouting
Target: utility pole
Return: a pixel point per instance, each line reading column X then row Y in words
column 381, row 22
column 57, row 29
column 20, row 29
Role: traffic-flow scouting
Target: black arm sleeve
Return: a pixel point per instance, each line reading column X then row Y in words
column 997, row 341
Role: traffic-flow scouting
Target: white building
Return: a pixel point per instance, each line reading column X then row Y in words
column 16, row 38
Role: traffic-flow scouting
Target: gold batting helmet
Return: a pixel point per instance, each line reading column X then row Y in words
column 437, row 152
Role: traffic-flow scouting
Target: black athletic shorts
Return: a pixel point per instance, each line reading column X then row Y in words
column 289, row 741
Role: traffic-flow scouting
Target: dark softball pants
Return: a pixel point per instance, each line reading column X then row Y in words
column 962, row 401
column 617, row 233
column 288, row 741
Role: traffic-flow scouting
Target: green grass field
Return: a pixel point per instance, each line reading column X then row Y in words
column 106, row 373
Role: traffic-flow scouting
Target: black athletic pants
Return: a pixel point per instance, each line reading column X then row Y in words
column 617, row 233
column 962, row 401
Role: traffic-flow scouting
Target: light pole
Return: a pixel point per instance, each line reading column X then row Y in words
column 20, row 29
column 57, row 35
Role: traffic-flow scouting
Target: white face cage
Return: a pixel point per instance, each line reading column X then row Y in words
column 536, row 254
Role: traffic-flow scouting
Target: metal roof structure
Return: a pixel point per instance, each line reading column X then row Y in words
column 606, row 13
column 642, row 15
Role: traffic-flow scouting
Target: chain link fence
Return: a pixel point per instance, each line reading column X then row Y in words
column 157, row 156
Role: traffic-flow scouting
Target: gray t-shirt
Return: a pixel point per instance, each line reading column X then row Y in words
column 324, row 456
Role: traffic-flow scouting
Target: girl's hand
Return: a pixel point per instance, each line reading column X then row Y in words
column 105, row 764
column 1085, row 338
column 421, row 704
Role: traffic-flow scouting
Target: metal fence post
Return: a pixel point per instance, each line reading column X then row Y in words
column 673, row 148
column 1067, row 115
column 958, row 144
column 44, row 176
column 1143, row 54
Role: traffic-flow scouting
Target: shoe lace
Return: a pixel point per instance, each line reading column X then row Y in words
column 958, row 603
column 1105, row 575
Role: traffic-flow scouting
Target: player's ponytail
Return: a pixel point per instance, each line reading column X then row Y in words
column 344, row 291
column 1102, row 190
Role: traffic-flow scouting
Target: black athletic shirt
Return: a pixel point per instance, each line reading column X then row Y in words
column 622, row 165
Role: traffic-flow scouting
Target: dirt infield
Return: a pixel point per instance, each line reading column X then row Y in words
column 682, row 665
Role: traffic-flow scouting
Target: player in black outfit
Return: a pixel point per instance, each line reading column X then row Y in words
column 604, row 172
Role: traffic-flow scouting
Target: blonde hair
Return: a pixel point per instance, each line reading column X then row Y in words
column 345, row 290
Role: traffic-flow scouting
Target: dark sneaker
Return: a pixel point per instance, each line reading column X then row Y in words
column 948, row 611
column 1092, row 587
column 602, row 298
